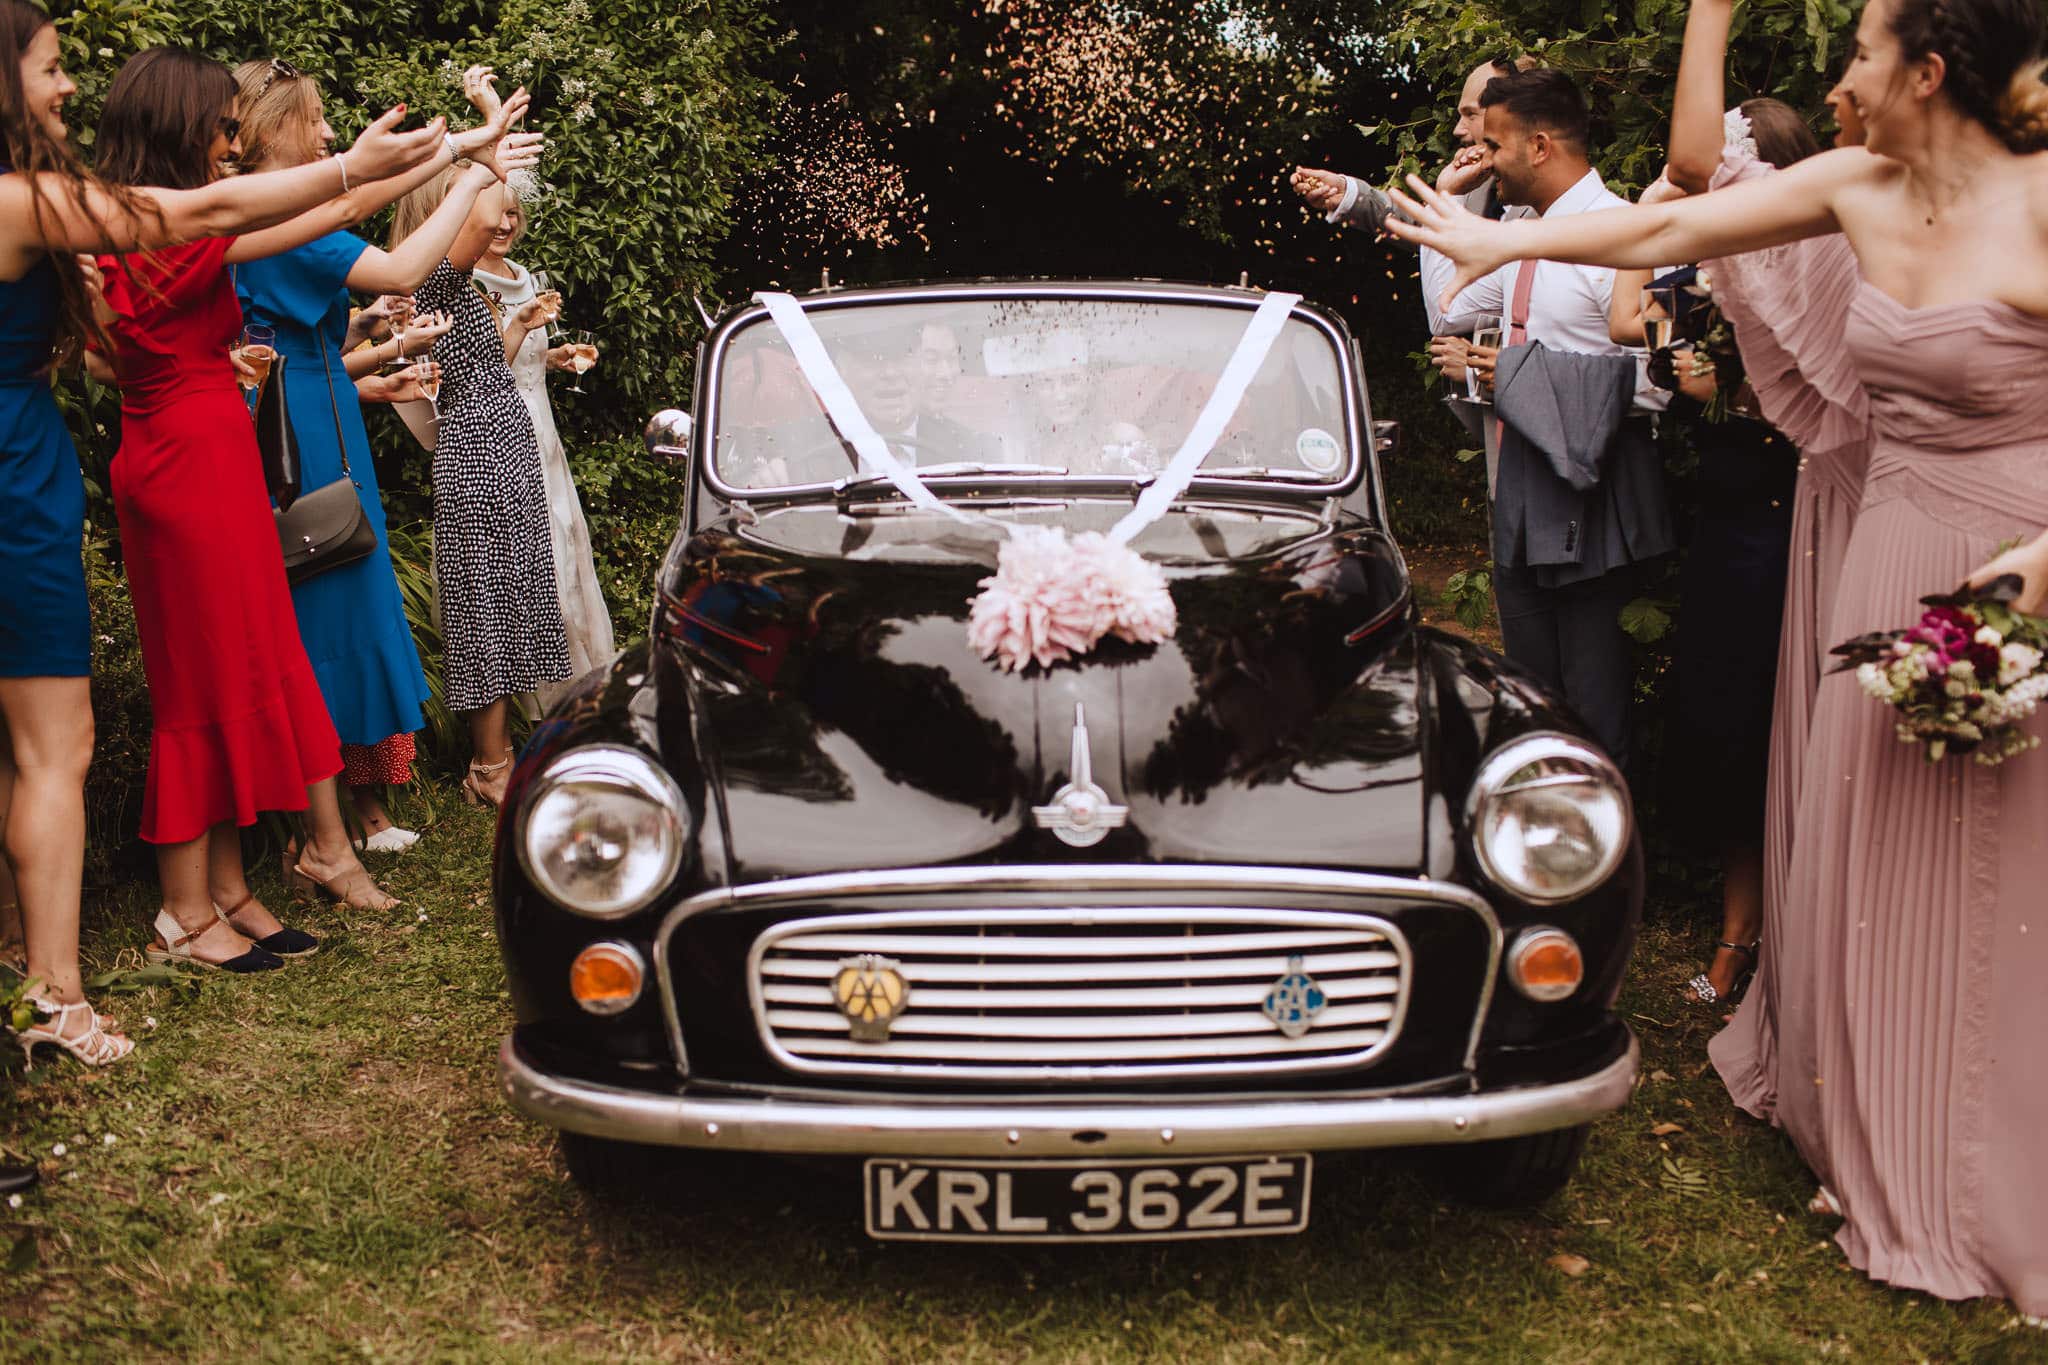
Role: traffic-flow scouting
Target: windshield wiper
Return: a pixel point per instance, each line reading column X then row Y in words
column 1253, row 471
column 871, row 477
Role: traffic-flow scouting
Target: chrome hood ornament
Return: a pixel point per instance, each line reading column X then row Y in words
column 1080, row 813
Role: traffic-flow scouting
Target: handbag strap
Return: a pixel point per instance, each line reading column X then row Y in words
column 340, row 437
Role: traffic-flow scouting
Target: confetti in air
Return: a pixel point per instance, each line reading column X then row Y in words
column 834, row 185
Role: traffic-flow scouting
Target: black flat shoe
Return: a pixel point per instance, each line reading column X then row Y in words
column 15, row 1179
column 284, row 943
column 289, row 942
column 174, row 947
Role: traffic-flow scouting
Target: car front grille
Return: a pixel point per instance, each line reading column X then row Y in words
column 1099, row 994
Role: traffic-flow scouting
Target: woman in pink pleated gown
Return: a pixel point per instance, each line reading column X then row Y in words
column 1911, row 972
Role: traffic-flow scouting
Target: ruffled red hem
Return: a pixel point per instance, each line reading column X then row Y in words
column 202, row 775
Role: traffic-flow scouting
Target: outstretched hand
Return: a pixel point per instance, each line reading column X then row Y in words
column 1323, row 190
column 516, row 152
column 480, row 88
column 382, row 151
column 1477, row 246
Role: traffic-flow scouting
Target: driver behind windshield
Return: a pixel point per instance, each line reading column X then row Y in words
column 1073, row 429
column 892, row 379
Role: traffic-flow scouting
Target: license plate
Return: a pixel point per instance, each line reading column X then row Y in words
column 1086, row 1201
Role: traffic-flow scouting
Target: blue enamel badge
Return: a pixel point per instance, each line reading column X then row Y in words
column 1295, row 1000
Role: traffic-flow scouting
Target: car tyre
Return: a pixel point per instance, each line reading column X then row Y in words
column 1509, row 1173
column 611, row 1170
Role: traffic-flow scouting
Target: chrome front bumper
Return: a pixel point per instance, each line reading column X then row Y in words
column 923, row 1128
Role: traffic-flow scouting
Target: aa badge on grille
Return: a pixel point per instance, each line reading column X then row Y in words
column 1295, row 1000
column 871, row 992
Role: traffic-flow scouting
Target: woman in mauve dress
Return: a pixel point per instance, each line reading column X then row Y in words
column 1773, row 299
column 1913, row 944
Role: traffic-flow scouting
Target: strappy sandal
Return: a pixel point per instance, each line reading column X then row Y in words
column 301, row 880
column 94, row 1047
column 174, row 945
column 474, row 792
column 286, row 942
column 1702, row 986
column 1824, row 1204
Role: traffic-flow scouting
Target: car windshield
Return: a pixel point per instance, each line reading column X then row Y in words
column 1031, row 386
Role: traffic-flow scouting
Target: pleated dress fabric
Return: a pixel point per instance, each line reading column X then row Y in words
column 352, row 619
column 1908, row 1013
column 1790, row 307
column 501, row 614
column 585, row 617
column 45, row 628
column 238, row 722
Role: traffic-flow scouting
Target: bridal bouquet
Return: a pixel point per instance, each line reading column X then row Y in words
column 1964, row 677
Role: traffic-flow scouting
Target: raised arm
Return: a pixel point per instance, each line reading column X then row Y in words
column 1696, row 112
column 96, row 221
column 1794, row 203
column 498, row 155
column 473, row 236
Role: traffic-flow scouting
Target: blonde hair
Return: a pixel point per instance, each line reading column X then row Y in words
column 280, row 115
column 414, row 210
column 2023, row 111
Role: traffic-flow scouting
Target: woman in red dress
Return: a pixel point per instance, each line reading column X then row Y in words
column 240, row 724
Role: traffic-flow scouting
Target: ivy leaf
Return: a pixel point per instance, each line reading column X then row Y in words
column 1645, row 621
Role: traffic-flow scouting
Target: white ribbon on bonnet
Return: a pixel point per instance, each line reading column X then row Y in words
column 1053, row 596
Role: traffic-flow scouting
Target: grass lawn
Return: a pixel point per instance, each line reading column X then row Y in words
column 317, row 1166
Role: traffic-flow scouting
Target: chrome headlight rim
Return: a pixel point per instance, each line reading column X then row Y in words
column 637, row 773
column 1510, row 758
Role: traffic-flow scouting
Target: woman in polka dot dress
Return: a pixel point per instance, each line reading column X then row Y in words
column 493, row 562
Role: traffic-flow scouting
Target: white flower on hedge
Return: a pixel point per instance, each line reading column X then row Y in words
column 574, row 86
column 650, row 97
column 584, row 111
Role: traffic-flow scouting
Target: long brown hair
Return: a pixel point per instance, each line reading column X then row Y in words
column 1990, row 51
column 159, row 121
column 27, row 147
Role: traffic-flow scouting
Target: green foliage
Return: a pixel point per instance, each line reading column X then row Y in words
column 1625, row 57
column 1647, row 621
column 653, row 113
column 1469, row 595
column 1682, row 1176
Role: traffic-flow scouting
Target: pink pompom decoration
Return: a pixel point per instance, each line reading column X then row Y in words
column 1053, row 597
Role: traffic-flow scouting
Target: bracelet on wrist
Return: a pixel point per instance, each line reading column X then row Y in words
column 341, row 160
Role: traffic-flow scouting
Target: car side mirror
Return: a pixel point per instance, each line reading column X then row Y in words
column 1386, row 439
column 668, row 435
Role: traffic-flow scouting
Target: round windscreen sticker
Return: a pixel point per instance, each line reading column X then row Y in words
column 1318, row 450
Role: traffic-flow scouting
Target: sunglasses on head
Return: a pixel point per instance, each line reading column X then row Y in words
column 280, row 69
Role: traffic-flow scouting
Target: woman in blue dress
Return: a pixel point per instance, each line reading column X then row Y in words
column 51, row 209
column 352, row 619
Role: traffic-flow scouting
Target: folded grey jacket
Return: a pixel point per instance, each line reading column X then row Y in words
column 1580, row 490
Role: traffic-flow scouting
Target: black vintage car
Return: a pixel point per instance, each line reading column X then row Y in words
column 1103, row 947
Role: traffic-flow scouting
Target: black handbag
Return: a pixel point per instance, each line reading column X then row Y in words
column 326, row 528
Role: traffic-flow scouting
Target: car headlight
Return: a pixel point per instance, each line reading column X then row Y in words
column 602, row 830
column 1549, row 817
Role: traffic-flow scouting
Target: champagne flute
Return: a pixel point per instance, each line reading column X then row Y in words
column 430, row 385
column 1660, row 314
column 582, row 355
column 549, row 293
column 257, row 348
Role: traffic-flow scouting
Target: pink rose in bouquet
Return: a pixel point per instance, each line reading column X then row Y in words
column 1963, row 678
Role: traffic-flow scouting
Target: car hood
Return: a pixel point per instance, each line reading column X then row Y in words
column 846, row 723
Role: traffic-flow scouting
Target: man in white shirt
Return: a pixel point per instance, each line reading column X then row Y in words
column 1535, row 126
